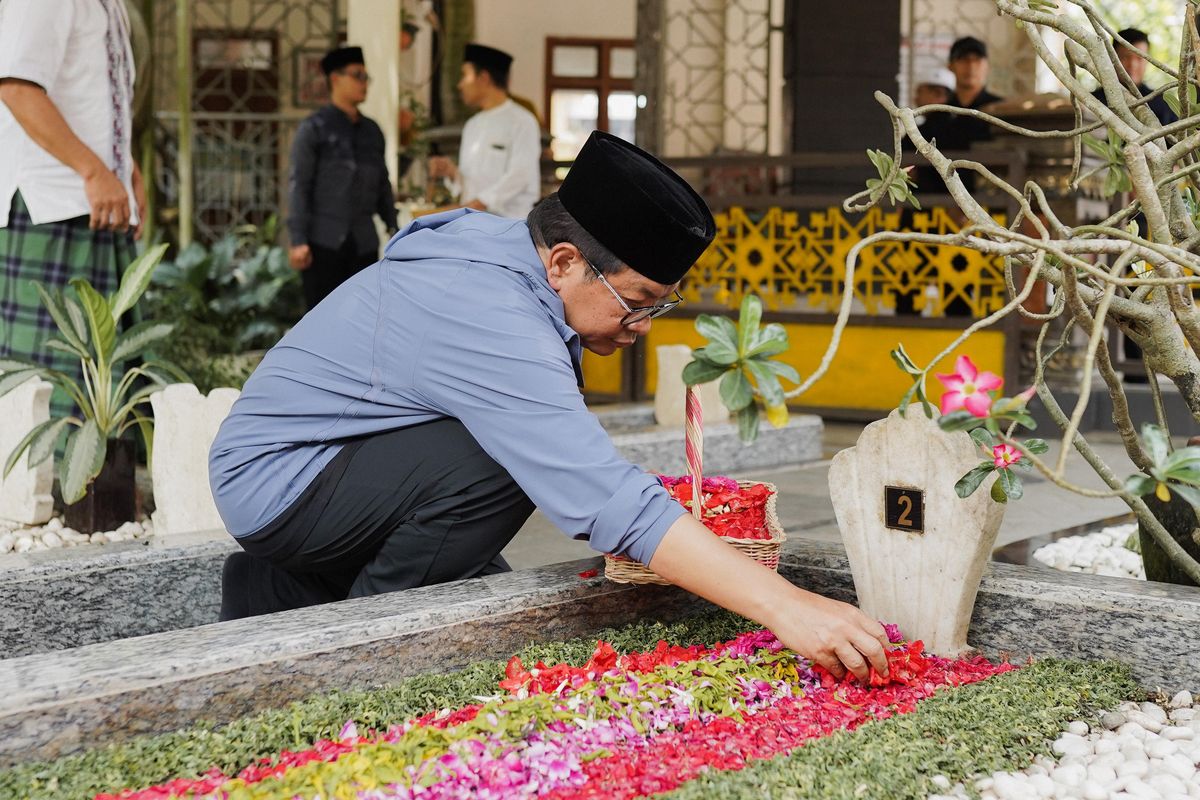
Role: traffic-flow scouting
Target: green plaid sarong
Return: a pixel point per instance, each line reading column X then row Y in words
column 52, row 254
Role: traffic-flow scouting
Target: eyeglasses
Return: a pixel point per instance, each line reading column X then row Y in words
column 635, row 315
column 358, row 75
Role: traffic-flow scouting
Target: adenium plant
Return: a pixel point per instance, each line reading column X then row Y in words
column 741, row 355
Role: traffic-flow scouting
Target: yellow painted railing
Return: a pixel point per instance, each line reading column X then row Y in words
column 799, row 272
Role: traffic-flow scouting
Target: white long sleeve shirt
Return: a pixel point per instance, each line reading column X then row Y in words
column 498, row 160
column 62, row 46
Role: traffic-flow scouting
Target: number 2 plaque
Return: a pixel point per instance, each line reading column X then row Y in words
column 904, row 509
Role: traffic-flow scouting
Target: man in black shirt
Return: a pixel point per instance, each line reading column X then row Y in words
column 1134, row 62
column 338, row 182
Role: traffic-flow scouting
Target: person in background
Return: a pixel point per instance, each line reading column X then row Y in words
column 338, row 183
column 934, row 87
column 72, row 199
column 498, row 168
column 1134, row 62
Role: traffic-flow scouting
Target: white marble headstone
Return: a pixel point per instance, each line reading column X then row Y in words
column 185, row 424
column 670, row 393
column 924, row 582
column 25, row 494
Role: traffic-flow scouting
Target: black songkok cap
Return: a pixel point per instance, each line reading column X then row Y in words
column 342, row 57
column 496, row 62
column 639, row 209
column 967, row 45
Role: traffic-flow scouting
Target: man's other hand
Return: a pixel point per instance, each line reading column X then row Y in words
column 109, row 201
column 300, row 257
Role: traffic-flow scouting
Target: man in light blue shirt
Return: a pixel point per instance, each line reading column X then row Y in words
column 405, row 429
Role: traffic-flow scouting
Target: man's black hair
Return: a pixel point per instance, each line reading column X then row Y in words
column 1134, row 36
column 551, row 224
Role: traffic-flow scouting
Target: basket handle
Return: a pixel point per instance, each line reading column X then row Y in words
column 694, row 447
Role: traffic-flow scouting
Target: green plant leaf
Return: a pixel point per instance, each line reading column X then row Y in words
column 1183, row 458
column 66, row 347
column 736, row 392
column 997, row 492
column 767, row 382
column 11, row 380
column 785, row 371
column 82, row 461
column 702, row 371
column 1036, row 446
column 139, row 338
column 134, row 281
column 961, row 420
column 146, row 426
column 770, row 341
column 14, row 365
column 99, row 317
column 749, row 317
column 53, row 301
column 1011, row 481
column 40, row 442
column 154, row 366
column 747, row 422
column 968, row 483
column 984, row 438
column 903, row 361
column 78, row 321
column 1140, row 485
column 720, row 353
column 718, row 331
column 1157, row 445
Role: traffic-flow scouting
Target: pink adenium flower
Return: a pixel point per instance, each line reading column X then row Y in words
column 1005, row 455
column 968, row 388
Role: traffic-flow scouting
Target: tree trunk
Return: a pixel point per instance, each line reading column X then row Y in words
column 111, row 499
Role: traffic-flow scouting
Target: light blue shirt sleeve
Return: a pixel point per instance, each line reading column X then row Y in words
column 507, row 375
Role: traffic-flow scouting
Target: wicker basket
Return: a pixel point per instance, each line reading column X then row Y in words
column 765, row 551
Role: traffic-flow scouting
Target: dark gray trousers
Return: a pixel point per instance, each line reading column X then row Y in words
column 413, row 507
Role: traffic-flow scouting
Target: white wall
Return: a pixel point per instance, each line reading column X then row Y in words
column 520, row 27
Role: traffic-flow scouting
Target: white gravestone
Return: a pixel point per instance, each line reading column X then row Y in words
column 185, row 424
column 670, row 393
column 925, row 582
column 25, row 494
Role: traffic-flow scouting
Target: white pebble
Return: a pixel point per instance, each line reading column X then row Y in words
column 1010, row 786
column 1180, row 766
column 116, row 536
column 99, row 537
column 1181, row 700
column 1133, row 729
column 1070, row 744
column 1139, row 788
column 131, row 529
column 1152, row 724
column 1154, row 711
column 1108, row 744
column 54, row 524
column 1094, row 791
column 940, row 781
column 7, row 540
column 52, row 539
column 1070, row 774
column 1042, row 785
column 1132, row 768
column 23, row 544
column 1078, row 727
column 1161, row 748
column 1183, row 714
column 1166, row 784
column 1175, row 733
column 1103, row 774
column 1112, row 720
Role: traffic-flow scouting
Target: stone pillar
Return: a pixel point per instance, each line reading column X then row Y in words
column 670, row 393
column 185, row 424
column 25, row 494
column 916, row 549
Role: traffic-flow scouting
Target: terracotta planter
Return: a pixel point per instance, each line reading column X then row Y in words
column 111, row 499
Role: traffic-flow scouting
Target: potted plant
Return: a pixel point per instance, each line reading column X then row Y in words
column 96, row 473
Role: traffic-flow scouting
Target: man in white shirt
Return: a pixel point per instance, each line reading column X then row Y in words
column 501, row 145
column 67, row 172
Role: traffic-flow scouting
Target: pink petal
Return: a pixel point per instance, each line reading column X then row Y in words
column 965, row 367
column 952, row 401
column 978, row 404
column 988, row 381
column 952, row 381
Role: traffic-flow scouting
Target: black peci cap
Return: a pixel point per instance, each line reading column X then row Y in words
column 637, row 207
column 967, row 45
column 342, row 57
column 497, row 62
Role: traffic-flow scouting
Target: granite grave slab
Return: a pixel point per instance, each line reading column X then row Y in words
column 57, row 703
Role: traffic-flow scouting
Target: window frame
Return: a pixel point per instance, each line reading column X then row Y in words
column 602, row 84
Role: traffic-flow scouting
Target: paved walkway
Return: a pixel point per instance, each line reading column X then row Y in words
column 806, row 511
